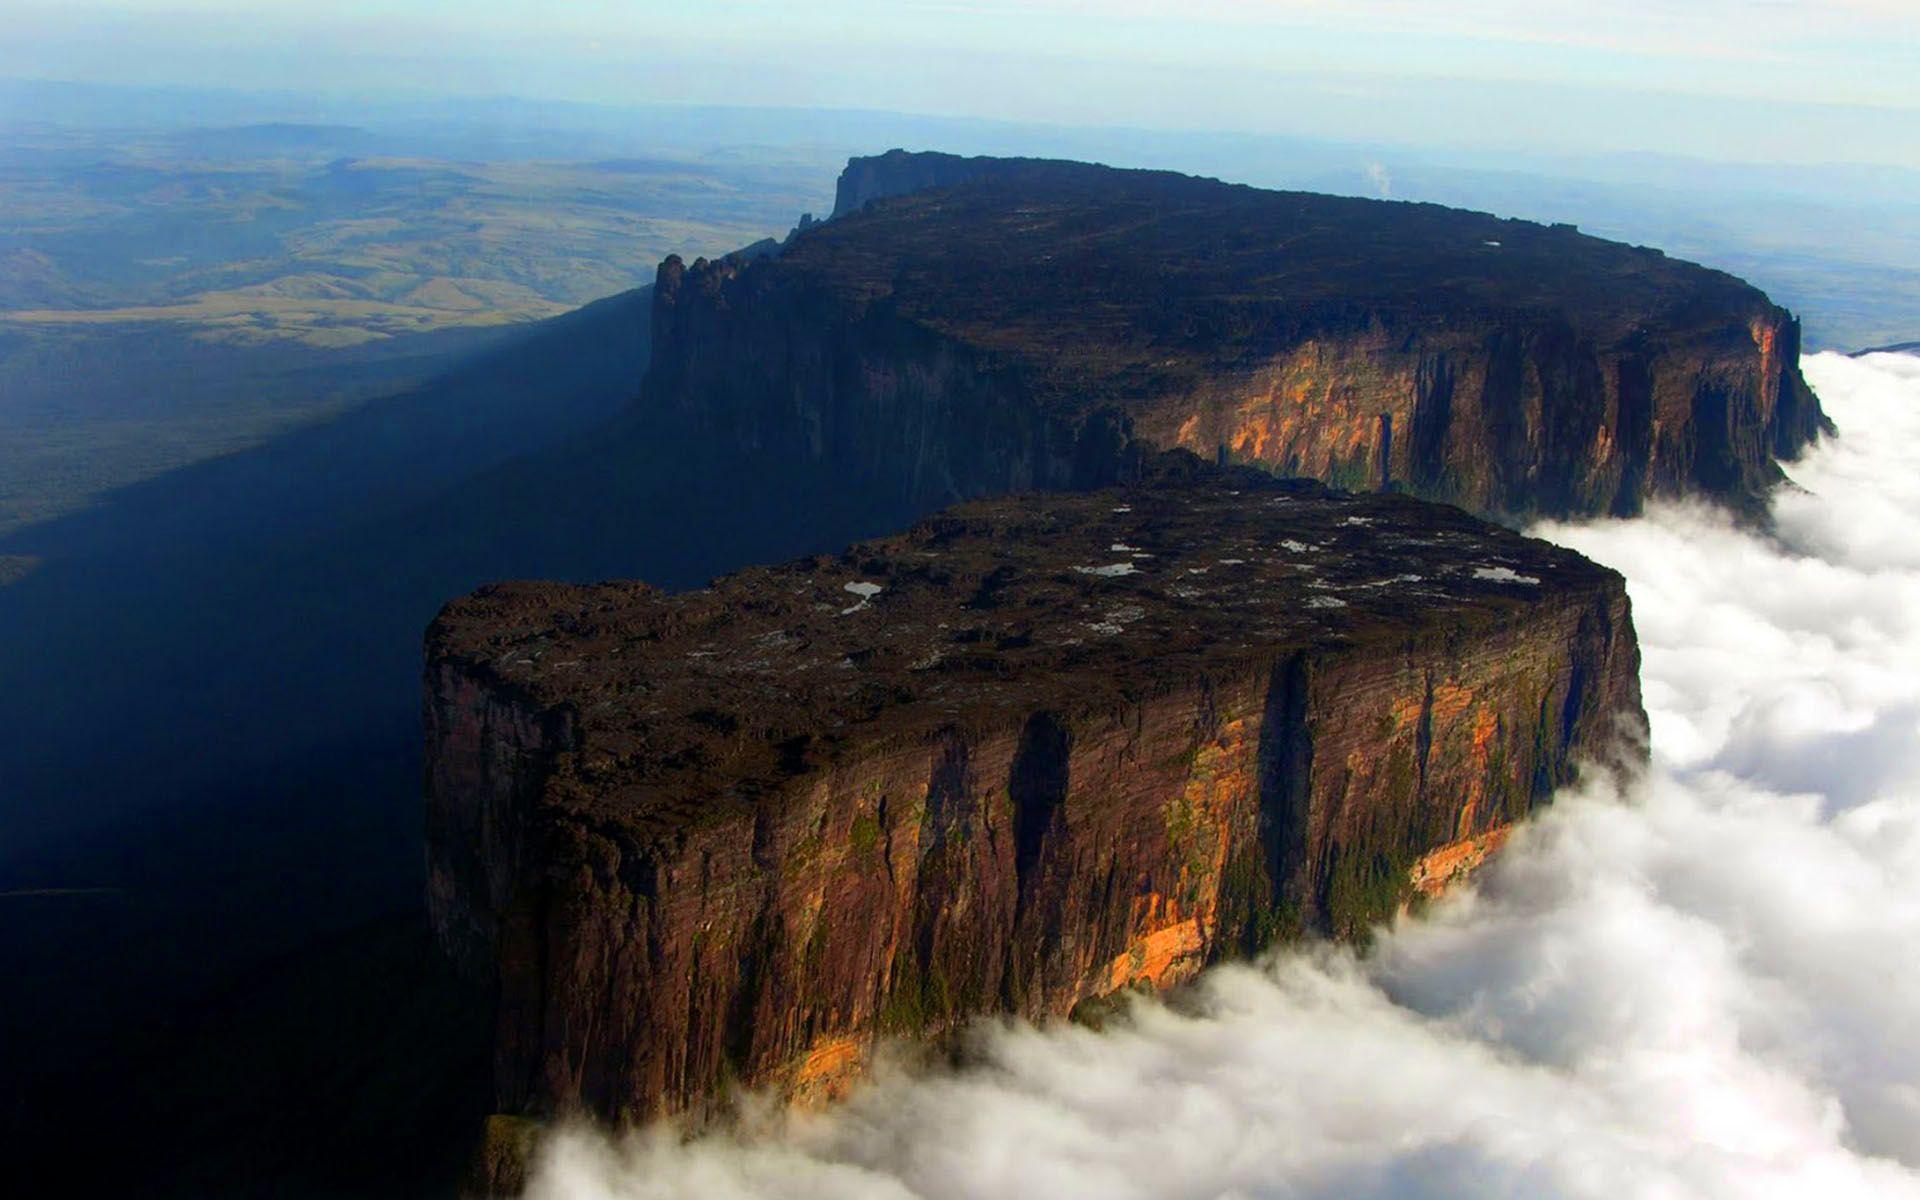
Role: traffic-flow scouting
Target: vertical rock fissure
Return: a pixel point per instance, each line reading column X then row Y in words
column 1633, row 432
column 1037, row 786
column 1284, row 769
column 1715, row 467
column 1507, row 440
column 1383, row 468
column 1036, row 789
column 1432, row 420
column 1423, row 735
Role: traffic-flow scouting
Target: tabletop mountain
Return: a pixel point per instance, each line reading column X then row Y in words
column 1031, row 753
column 965, row 327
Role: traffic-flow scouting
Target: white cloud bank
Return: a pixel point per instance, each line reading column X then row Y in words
column 1708, row 988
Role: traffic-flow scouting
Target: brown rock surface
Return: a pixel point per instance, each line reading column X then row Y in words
column 1033, row 751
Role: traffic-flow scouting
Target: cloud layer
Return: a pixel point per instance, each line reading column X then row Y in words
column 1707, row 987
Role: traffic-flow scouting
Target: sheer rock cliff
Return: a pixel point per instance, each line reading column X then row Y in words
column 965, row 327
column 1031, row 753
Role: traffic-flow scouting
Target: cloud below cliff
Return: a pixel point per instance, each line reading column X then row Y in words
column 1705, row 987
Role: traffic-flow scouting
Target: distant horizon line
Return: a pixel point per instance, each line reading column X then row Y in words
column 374, row 99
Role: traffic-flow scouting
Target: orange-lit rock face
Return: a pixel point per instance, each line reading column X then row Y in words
column 1159, row 958
column 1363, row 412
column 1037, row 324
column 828, row 1069
column 1327, row 410
column 1440, row 869
column 1052, row 748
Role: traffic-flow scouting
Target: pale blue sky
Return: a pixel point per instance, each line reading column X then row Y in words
column 1794, row 80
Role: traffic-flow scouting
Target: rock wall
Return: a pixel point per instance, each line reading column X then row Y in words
column 655, row 951
column 1513, row 420
column 928, row 341
column 494, row 750
column 910, row 413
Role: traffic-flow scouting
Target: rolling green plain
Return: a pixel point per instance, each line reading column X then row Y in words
column 170, row 296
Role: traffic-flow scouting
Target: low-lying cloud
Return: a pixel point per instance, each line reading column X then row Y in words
column 1709, row 986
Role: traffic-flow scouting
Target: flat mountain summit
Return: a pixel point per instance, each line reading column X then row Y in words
column 1029, row 753
column 968, row 325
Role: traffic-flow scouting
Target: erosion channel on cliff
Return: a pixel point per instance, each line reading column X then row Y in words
column 1030, row 753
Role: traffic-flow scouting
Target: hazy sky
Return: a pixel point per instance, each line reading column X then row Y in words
column 1779, row 79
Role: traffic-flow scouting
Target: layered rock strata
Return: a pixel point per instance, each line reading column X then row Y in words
column 965, row 327
column 1030, row 753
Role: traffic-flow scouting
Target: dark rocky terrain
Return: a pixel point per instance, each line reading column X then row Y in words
column 1028, row 754
column 973, row 326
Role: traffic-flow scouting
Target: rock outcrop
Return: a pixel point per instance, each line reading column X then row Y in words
column 965, row 327
column 1033, row 752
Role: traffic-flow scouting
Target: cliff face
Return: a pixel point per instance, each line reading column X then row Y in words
column 1028, row 754
column 968, row 325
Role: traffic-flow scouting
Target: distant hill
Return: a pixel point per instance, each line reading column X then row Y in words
column 279, row 138
column 332, row 235
column 167, row 295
